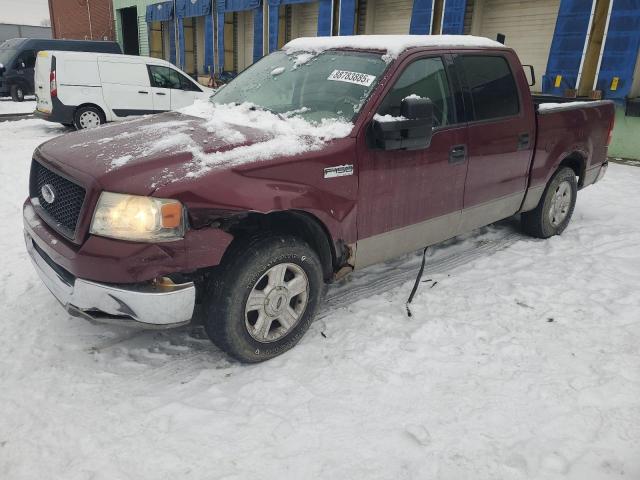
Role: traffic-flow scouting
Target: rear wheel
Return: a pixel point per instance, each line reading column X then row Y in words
column 554, row 211
column 17, row 93
column 88, row 117
column 264, row 297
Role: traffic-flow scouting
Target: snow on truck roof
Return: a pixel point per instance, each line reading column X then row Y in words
column 393, row 45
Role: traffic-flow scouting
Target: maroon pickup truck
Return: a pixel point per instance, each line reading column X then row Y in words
column 331, row 155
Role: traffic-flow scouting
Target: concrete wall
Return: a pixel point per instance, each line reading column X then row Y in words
column 626, row 136
column 9, row 30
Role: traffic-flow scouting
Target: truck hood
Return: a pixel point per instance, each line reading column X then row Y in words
column 142, row 155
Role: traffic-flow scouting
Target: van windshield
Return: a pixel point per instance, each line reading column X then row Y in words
column 6, row 56
column 333, row 84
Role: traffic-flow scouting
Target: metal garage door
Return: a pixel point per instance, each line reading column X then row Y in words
column 528, row 26
column 388, row 16
column 305, row 19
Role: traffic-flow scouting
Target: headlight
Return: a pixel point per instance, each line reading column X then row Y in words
column 132, row 217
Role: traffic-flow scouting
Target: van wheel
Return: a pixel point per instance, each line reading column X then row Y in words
column 17, row 93
column 554, row 211
column 264, row 297
column 88, row 117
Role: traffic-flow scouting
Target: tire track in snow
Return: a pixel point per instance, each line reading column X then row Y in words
column 444, row 258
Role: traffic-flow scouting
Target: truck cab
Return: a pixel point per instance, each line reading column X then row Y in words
column 331, row 155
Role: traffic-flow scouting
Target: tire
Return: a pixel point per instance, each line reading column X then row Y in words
column 88, row 117
column 251, row 271
column 554, row 211
column 17, row 93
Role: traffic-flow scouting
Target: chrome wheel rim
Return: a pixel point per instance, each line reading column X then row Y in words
column 560, row 203
column 276, row 302
column 89, row 119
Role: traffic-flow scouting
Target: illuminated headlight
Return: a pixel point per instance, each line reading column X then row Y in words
column 136, row 218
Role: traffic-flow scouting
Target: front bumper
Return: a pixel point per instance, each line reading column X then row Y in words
column 143, row 305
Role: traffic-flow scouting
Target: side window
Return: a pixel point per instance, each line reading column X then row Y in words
column 426, row 78
column 186, row 84
column 29, row 58
column 164, row 77
column 493, row 89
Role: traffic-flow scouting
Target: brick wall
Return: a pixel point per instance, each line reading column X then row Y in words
column 82, row 19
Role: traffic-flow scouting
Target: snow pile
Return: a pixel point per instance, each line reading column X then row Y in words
column 388, row 118
column 283, row 136
column 8, row 106
column 393, row 45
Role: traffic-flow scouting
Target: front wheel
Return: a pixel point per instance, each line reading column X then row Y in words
column 554, row 211
column 264, row 297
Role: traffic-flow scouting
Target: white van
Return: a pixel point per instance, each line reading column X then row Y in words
column 85, row 90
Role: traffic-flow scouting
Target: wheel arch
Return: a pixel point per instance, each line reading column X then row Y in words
column 577, row 162
column 89, row 104
column 297, row 223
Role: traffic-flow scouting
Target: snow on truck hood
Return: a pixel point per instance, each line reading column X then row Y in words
column 393, row 45
column 188, row 144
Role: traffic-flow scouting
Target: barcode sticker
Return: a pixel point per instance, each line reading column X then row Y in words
column 352, row 77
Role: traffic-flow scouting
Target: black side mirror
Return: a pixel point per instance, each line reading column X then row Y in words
column 411, row 131
column 532, row 74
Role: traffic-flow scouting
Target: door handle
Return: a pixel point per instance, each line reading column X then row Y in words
column 160, row 93
column 523, row 141
column 458, row 154
column 143, row 91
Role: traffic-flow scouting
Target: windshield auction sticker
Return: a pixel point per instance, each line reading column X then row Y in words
column 352, row 77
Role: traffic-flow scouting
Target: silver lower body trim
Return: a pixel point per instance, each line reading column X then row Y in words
column 388, row 245
column 139, row 305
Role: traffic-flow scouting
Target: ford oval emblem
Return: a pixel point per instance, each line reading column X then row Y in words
column 48, row 193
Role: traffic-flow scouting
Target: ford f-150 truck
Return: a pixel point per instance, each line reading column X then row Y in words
column 330, row 155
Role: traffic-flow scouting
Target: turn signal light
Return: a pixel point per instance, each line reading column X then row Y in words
column 171, row 215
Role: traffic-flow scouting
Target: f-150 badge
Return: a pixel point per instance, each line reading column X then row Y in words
column 338, row 171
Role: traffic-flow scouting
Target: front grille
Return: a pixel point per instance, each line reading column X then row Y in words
column 63, row 212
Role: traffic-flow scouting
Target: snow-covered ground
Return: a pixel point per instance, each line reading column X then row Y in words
column 9, row 106
column 521, row 360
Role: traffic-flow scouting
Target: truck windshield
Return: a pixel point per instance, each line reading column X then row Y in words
column 333, row 84
column 6, row 56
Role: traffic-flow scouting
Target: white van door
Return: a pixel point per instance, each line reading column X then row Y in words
column 163, row 80
column 42, row 81
column 126, row 87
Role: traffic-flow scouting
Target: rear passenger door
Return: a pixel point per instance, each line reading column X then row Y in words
column 125, row 87
column 501, row 130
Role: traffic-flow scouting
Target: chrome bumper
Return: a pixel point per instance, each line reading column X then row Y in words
column 143, row 305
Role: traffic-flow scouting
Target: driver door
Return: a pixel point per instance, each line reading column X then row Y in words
column 408, row 199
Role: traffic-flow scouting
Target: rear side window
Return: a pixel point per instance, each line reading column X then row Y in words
column 164, row 77
column 426, row 78
column 493, row 89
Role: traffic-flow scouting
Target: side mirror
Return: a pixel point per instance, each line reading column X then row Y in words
column 412, row 130
column 531, row 78
column 2, row 69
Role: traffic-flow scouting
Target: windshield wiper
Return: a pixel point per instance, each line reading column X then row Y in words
column 260, row 107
